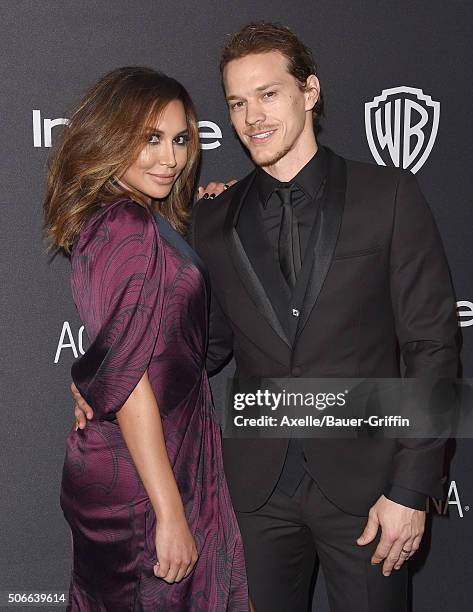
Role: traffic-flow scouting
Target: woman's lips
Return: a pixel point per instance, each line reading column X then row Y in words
column 162, row 179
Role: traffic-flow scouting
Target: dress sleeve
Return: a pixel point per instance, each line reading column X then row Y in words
column 117, row 283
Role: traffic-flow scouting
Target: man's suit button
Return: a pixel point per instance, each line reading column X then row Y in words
column 296, row 371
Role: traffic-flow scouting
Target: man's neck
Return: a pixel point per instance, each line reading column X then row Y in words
column 292, row 163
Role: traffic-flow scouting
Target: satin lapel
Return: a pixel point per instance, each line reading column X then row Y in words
column 327, row 231
column 243, row 265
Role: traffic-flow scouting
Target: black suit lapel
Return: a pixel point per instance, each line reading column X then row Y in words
column 327, row 229
column 243, row 265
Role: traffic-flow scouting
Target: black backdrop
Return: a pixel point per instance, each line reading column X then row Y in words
column 50, row 52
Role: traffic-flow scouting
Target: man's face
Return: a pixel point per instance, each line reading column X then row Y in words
column 269, row 111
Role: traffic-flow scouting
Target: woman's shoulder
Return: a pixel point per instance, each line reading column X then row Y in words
column 118, row 211
column 116, row 220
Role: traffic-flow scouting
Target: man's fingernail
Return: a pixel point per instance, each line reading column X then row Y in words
column 89, row 416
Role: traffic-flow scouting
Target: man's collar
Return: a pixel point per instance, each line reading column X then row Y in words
column 308, row 179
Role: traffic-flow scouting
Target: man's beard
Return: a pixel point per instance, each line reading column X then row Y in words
column 275, row 157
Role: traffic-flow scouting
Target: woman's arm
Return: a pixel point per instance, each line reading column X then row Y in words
column 141, row 426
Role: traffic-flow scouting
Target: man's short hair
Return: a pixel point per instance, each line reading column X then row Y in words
column 264, row 37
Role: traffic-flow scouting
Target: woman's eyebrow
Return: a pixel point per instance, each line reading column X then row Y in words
column 160, row 132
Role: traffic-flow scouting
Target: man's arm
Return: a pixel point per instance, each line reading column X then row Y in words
column 220, row 344
column 406, row 497
column 424, row 309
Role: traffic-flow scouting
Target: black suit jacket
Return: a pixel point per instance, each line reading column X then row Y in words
column 379, row 288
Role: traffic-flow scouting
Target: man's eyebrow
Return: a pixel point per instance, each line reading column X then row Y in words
column 263, row 87
column 260, row 88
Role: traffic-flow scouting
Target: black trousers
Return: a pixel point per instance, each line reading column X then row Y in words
column 287, row 538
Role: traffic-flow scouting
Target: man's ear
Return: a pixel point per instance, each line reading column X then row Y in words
column 311, row 91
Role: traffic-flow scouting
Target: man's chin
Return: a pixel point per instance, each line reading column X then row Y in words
column 264, row 159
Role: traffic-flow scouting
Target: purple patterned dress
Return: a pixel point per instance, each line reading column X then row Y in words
column 143, row 296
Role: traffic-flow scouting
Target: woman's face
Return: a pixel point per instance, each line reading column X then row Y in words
column 163, row 158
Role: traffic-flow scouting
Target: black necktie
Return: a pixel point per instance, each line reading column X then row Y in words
column 288, row 243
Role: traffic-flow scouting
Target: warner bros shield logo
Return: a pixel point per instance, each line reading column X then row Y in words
column 401, row 127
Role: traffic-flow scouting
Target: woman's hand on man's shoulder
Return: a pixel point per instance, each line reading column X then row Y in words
column 213, row 189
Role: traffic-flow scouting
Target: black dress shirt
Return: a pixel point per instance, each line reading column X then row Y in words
column 308, row 188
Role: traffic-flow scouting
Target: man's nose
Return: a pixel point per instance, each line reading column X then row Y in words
column 254, row 113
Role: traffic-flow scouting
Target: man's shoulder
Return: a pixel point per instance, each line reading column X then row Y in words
column 368, row 179
column 370, row 184
column 361, row 170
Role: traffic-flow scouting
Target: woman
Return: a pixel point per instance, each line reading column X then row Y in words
column 143, row 487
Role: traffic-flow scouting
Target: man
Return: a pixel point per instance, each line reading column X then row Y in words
column 321, row 267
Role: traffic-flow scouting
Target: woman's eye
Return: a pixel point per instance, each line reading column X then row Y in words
column 269, row 94
column 153, row 139
column 182, row 140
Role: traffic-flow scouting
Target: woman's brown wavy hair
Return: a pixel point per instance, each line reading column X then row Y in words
column 106, row 133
